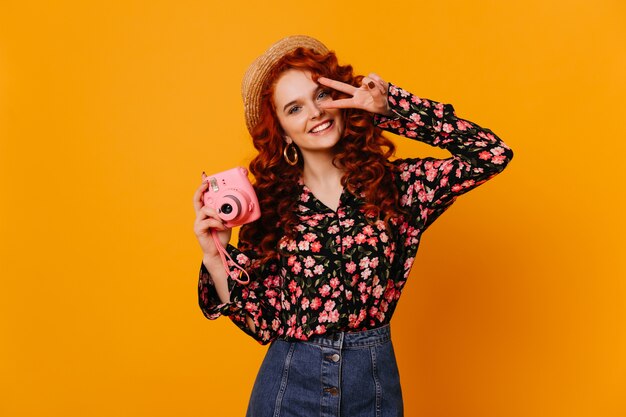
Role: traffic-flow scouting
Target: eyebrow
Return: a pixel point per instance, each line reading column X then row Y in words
column 319, row 87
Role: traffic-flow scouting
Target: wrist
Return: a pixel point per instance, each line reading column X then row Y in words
column 211, row 261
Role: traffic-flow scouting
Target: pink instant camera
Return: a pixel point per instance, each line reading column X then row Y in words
column 232, row 196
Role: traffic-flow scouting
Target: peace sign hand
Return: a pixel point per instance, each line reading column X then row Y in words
column 370, row 96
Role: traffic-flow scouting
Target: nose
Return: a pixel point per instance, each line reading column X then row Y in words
column 316, row 111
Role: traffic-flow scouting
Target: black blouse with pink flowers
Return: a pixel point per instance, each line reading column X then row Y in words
column 345, row 271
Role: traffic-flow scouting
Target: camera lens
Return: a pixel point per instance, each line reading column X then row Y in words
column 226, row 208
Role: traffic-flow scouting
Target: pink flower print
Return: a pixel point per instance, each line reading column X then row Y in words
column 364, row 297
column 334, row 282
column 374, row 262
column 323, row 317
column 335, row 294
column 443, row 182
column 316, row 247
column 373, row 311
column 352, row 320
column 416, row 119
column 393, row 90
column 312, row 222
column 347, row 223
column 348, row 295
column 431, row 174
column 456, row 188
column 333, row 229
column 360, row 239
column 304, row 319
column 403, row 92
column 364, row 263
column 415, row 99
column 355, row 279
column 484, row 155
column 378, row 291
column 292, row 246
column 318, row 270
column 320, row 329
column 242, row 260
column 308, row 273
column 368, row 230
column 304, row 303
column 292, row 286
column 347, row 241
column 316, row 303
column 372, row 241
column 408, row 263
column 411, row 134
column 480, row 143
column 350, row 267
column 299, row 334
column 404, row 104
column 499, row 159
column 467, row 183
column 366, row 273
column 447, row 127
column 333, row 316
column 303, row 245
column 304, row 197
column 296, row 268
column 275, row 324
column 329, row 305
column 325, row 290
column 309, row 261
column 362, row 286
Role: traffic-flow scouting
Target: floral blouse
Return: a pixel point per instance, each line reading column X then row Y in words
column 345, row 271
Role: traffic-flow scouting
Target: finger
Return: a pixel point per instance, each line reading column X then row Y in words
column 197, row 197
column 379, row 83
column 337, row 85
column 210, row 212
column 211, row 223
column 346, row 103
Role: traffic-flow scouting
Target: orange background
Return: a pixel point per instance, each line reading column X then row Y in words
column 110, row 111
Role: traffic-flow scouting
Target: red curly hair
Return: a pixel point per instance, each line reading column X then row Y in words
column 362, row 151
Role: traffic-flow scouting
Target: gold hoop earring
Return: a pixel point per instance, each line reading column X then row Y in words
column 294, row 159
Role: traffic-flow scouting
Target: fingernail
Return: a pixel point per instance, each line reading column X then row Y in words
column 371, row 84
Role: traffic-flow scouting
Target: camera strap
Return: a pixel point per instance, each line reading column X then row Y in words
column 223, row 255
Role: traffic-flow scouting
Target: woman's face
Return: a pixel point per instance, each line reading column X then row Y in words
column 297, row 98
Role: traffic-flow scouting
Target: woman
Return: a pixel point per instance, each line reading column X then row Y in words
column 340, row 227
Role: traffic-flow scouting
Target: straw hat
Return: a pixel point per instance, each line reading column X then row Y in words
column 256, row 75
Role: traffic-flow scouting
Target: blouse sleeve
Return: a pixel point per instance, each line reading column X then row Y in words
column 260, row 299
column 428, row 185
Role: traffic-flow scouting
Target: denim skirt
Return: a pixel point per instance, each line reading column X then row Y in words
column 348, row 374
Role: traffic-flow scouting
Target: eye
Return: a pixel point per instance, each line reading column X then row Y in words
column 323, row 94
column 294, row 109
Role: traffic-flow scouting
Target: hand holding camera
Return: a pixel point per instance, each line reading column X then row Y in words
column 223, row 201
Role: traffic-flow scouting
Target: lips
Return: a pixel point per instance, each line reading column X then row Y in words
column 322, row 127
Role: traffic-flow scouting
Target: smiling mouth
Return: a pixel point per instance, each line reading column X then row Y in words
column 322, row 127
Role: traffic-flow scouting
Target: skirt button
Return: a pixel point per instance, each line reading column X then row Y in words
column 335, row 358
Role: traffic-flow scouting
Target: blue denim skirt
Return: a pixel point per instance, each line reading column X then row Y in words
column 348, row 374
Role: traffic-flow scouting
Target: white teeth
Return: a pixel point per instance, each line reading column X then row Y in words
column 321, row 127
